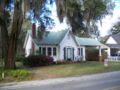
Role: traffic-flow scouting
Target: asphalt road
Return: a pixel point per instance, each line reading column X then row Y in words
column 89, row 82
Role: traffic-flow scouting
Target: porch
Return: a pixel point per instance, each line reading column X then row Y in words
column 113, row 52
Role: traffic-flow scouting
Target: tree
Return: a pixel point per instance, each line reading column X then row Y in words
column 72, row 10
column 83, row 14
column 96, row 10
column 10, row 30
column 116, row 28
column 12, row 15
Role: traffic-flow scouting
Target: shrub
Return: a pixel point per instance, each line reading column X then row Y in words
column 19, row 58
column 34, row 61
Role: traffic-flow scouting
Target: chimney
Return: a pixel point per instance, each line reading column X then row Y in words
column 33, row 30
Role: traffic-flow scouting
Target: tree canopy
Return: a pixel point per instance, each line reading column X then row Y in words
column 84, row 14
column 116, row 28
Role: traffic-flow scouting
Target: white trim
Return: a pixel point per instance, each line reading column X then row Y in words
column 84, row 54
column 100, row 54
column 109, row 52
column 26, row 40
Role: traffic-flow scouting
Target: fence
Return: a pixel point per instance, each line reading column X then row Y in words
column 114, row 58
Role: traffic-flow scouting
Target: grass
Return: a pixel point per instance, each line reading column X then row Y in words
column 13, row 75
column 77, row 69
column 60, row 70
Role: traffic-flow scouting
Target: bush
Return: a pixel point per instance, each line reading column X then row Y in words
column 34, row 61
column 19, row 58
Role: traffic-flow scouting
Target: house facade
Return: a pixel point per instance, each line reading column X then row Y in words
column 61, row 45
column 113, row 44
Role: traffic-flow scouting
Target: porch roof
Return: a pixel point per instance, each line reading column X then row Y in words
column 113, row 45
column 88, row 41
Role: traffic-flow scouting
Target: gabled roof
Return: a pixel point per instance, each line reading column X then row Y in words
column 87, row 41
column 117, row 38
column 54, row 38
column 51, row 38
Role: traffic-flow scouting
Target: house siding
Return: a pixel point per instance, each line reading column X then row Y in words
column 28, row 46
column 111, row 41
column 67, row 42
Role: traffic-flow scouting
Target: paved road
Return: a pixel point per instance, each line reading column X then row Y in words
column 89, row 82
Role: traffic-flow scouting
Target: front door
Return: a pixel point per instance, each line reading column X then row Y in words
column 68, row 53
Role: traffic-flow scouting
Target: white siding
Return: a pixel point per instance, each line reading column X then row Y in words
column 111, row 41
column 28, row 46
column 67, row 42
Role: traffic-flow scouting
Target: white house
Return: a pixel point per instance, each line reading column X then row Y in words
column 61, row 45
column 113, row 44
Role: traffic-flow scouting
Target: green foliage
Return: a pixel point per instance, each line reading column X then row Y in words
column 116, row 28
column 17, row 74
column 82, row 15
column 20, row 58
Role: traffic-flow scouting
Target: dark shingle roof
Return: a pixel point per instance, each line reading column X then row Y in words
column 117, row 38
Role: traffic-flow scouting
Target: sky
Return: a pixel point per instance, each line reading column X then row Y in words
column 107, row 22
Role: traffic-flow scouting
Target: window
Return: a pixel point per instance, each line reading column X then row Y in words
column 54, row 51
column 80, row 51
column 43, row 51
column 40, row 51
column 49, row 51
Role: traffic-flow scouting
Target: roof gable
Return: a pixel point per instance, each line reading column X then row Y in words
column 111, row 40
column 116, row 37
column 69, row 37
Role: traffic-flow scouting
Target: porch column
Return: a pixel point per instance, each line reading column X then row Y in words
column 100, row 54
column 52, row 51
column 109, row 52
column 84, row 54
column 46, row 51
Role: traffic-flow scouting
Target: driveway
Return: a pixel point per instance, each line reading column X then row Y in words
column 89, row 82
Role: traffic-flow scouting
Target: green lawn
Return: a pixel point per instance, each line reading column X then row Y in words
column 57, row 71
column 68, row 70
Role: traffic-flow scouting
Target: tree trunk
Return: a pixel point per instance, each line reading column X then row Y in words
column 16, row 28
column 9, row 40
